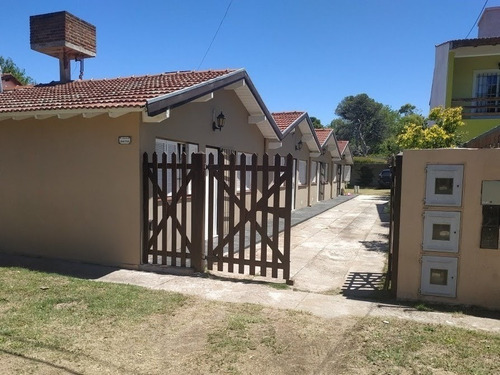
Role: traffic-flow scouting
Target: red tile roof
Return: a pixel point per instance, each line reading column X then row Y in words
column 323, row 135
column 342, row 145
column 102, row 93
column 285, row 119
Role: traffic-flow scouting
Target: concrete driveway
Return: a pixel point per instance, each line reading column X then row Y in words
column 336, row 249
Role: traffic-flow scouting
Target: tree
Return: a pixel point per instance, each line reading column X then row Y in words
column 407, row 109
column 438, row 131
column 363, row 121
column 316, row 123
column 8, row 66
column 407, row 114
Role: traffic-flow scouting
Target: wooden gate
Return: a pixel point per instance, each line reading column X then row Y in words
column 260, row 205
column 172, row 190
column 249, row 241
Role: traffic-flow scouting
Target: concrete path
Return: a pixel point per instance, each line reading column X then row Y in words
column 337, row 263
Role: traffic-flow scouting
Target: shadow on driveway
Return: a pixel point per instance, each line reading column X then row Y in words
column 365, row 285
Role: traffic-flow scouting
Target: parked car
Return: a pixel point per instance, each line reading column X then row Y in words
column 385, row 178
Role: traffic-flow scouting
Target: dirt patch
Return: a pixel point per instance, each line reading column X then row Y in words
column 205, row 337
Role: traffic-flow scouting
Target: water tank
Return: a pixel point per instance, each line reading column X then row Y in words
column 489, row 24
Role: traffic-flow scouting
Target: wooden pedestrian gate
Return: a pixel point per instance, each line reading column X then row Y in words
column 178, row 196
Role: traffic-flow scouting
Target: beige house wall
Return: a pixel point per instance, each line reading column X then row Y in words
column 478, row 269
column 328, row 186
column 288, row 147
column 192, row 123
column 69, row 190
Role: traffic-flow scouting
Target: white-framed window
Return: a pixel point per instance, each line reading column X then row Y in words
column 441, row 231
column 487, row 85
column 248, row 174
column 302, row 172
column 439, row 276
column 444, row 185
column 177, row 148
column 314, row 172
column 335, row 172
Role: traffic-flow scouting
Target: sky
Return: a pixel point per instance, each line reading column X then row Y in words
column 304, row 55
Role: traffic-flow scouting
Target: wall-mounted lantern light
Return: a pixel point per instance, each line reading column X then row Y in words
column 298, row 146
column 218, row 123
column 323, row 150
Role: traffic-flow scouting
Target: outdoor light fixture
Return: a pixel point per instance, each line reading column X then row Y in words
column 298, row 146
column 323, row 150
column 218, row 123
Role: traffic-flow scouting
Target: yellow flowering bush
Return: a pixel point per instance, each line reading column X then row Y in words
column 443, row 133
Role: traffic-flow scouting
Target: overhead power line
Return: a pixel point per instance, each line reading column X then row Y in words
column 215, row 35
column 477, row 19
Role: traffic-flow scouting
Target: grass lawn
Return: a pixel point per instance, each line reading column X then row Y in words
column 51, row 324
column 370, row 191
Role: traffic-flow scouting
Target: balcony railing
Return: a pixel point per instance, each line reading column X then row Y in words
column 478, row 107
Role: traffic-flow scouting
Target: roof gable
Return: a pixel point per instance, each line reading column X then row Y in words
column 323, row 135
column 284, row 120
column 328, row 141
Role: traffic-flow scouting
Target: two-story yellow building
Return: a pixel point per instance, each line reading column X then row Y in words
column 467, row 74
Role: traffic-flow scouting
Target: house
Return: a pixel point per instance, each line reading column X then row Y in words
column 446, row 244
column 317, row 157
column 467, row 74
column 9, row 82
column 329, row 162
column 344, row 169
column 70, row 154
column 300, row 140
column 72, row 174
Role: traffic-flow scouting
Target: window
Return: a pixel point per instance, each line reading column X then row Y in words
column 334, row 172
column 347, row 173
column 302, row 172
column 487, row 86
column 444, row 185
column 248, row 173
column 177, row 148
column 314, row 172
column 441, row 231
column 439, row 276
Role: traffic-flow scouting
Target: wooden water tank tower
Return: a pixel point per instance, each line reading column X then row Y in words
column 65, row 37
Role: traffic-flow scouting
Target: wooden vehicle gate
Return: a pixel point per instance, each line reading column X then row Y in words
column 179, row 195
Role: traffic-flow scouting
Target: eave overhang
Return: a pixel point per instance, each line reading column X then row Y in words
column 309, row 137
column 240, row 82
column 331, row 145
column 475, row 47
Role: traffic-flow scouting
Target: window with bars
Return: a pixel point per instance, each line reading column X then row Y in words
column 487, row 86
